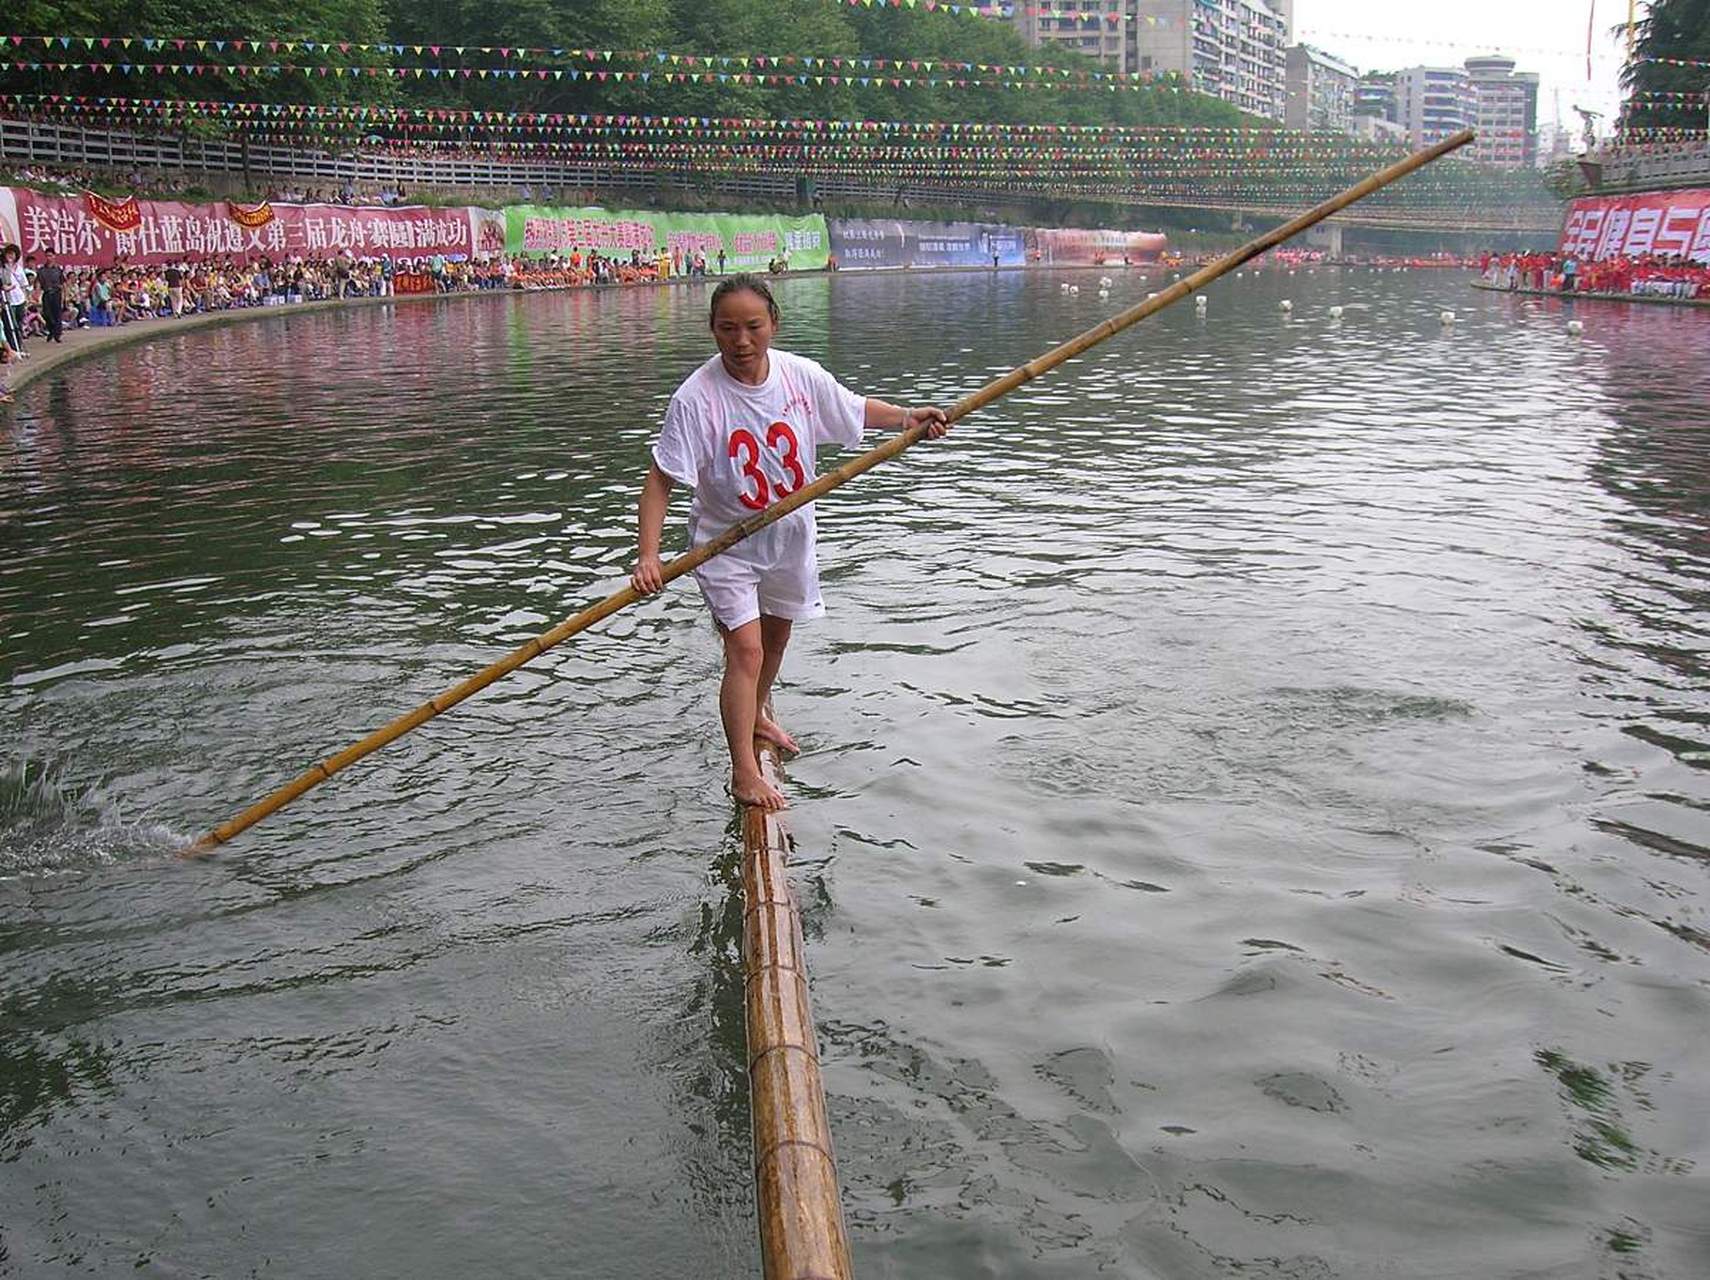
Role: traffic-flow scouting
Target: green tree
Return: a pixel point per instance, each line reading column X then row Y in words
column 88, row 21
column 1677, row 30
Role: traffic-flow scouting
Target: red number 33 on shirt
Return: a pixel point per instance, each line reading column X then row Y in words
column 746, row 450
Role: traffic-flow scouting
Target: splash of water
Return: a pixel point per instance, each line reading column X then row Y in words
column 49, row 823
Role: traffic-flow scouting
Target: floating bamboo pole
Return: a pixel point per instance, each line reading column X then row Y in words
column 796, row 1195
column 319, row 773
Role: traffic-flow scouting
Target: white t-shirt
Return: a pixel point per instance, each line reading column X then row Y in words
column 743, row 448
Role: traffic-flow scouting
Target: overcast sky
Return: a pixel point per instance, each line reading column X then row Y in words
column 1546, row 36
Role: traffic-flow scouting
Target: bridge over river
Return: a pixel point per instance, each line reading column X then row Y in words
column 1474, row 203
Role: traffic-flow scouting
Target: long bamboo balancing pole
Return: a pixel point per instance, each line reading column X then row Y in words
column 319, row 773
column 796, row 1196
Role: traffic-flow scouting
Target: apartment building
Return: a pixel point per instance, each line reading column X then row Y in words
column 1433, row 102
column 1102, row 29
column 1506, row 114
column 1230, row 49
column 1320, row 90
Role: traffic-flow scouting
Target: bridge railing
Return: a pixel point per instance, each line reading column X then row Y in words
column 28, row 142
column 231, row 167
column 1653, row 166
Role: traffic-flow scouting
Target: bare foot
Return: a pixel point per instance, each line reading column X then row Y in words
column 754, row 790
column 769, row 730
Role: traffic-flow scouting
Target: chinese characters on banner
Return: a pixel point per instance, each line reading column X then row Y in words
column 1666, row 223
column 750, row 241
column 546, row 234
column 87, row 231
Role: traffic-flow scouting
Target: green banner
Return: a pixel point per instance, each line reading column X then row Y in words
column 750, row 242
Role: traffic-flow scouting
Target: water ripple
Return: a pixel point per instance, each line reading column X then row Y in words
column 1253, row 815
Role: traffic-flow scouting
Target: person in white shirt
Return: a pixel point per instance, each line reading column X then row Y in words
column 14, row 294
column 744, row 431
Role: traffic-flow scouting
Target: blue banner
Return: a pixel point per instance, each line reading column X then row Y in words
column 864, row 244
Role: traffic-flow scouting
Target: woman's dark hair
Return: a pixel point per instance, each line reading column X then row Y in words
column 11, row 251
column 736, row 284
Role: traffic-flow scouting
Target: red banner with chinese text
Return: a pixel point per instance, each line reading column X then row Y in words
column 259, row 216
column 115, row 215
column 1665, row 223
column 161, row 231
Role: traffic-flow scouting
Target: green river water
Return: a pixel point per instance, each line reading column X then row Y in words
column 1252, row 821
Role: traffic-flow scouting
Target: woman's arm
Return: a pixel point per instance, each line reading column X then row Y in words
column 650, row 523
column 882, row 416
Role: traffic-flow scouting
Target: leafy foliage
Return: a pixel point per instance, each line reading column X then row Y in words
column 333, row 20
column 734, row 27
column 1673, row 29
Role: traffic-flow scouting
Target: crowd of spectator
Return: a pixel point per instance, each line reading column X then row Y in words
column 346, row 193
column 133, row 181
column 1647, row 276
column 40, row 299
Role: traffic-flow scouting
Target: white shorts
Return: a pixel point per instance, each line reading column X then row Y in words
column 774, row 573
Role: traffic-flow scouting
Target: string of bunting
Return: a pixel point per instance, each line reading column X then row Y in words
column 1046, row 179
column 1660, row 133
column 1675, row 62
column 1032, row 177
column 374, row 114
column 1115, row 13
column 849, row 63
column 443, row 49
column 1146, row 170
column 1111, row 14
column 1162, row 163
column 574, row 74
column 1314, row 34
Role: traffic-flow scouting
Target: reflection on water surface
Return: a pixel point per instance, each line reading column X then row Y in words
column 1252, row 820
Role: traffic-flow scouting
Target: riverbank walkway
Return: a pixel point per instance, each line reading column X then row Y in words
column 44, row 357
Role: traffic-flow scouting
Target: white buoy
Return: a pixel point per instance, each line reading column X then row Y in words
column 1065, row 288
column 1335, row 313
column 1074, row 288
column 1201, row 302
column 1239, row 274
column 1104, row 282
column 1576, row 327
column 1151, row 295
column 1104, row 293
column 1285, row 305
column 1448, row 318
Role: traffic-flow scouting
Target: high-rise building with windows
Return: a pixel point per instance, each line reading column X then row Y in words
column 1320, row 90
column 1229, row 49
column 1506, row 113
column 1102, row 29
column 1374, row 96
column 1433, row 102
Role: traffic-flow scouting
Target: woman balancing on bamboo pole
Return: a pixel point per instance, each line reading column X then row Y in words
column 919, row 423
column 743, row 431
